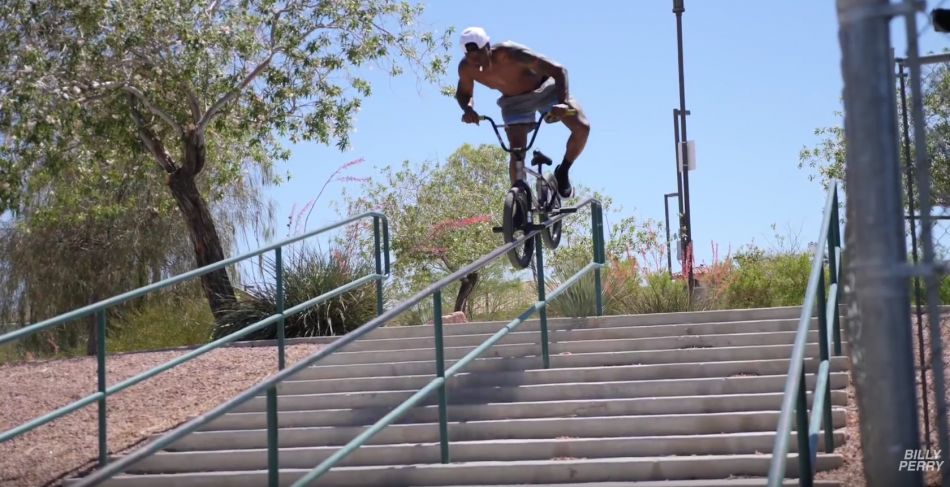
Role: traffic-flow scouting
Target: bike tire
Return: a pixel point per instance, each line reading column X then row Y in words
column 551, row 235
column 514, row 219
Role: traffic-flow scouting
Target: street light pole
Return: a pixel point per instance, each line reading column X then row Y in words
column 669, row 249
column 687, row 237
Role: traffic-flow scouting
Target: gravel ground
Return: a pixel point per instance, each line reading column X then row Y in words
column 52, row 452
column 851, row 473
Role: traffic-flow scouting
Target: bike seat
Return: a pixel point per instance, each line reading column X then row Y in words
column 539, row 159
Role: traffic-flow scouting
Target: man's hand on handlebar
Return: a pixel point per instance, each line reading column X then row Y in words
column 471, row 116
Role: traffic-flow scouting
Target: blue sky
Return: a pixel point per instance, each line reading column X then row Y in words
column 758, row 82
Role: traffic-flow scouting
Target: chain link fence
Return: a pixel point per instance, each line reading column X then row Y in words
column 934, row 180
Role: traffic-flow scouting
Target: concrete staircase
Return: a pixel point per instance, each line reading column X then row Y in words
column 684, row 399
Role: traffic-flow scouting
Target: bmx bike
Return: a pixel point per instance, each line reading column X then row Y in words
column 521, row 204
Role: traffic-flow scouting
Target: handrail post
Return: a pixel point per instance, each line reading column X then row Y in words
column 279, row 261
column 101, row 373
column 824, row 349
column 597, row 228
column 440, row 372
column 543, row 312
column 273, row 465
column 804, row 446
column 379, row 266
column 832, row 268
column 834, row 245
column 386, row 245
column 822, row 318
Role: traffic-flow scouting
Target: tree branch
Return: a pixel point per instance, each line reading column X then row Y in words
column 224, row 100
column 218, row 105
column 151, row 141
column 193, row 102
column 212, row 9
column 152, row 108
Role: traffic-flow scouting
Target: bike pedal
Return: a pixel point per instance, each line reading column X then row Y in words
column 567, row 210
column 497, row 229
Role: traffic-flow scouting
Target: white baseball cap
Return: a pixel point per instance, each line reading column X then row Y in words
column 475, row 35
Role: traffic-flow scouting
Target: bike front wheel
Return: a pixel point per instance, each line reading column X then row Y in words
column 514, row 221
column 551, row 235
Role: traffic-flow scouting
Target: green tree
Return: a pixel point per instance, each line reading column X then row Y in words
column 440, row 214
column 827, row 157
column 190, row 85
column 93, row 232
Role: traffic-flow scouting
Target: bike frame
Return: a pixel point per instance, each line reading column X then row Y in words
column 523, row 152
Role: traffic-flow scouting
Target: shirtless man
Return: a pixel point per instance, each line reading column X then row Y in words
column 528, row 82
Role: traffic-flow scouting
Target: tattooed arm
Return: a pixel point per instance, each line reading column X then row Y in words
column 542, row 65
column 466, row 88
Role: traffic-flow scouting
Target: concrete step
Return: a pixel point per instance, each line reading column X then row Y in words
column 370, row 343
column 692, row 398
column 511, row 429
column 563, row 360
column 622, row 469
column 470, row 451
column 543, row 392
column 732, row 482
column 552, row 376
column 521, row 410
column 581, row 346
column 482, row 327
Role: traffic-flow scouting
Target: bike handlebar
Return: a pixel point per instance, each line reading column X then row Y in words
column 537, row 126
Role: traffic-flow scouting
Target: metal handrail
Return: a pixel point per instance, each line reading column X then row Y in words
column 795, row 397
column 269, row 385
column 382, row 270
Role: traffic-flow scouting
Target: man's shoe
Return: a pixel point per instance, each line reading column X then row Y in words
column 563, row 182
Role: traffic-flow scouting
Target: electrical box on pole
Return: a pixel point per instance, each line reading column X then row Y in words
column 690, row 155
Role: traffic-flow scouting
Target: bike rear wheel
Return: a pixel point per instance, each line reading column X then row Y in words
column 514, row 221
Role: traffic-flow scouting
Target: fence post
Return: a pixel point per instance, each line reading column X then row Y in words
column 879, row 320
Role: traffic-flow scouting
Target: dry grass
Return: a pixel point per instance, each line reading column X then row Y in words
column 47, row 454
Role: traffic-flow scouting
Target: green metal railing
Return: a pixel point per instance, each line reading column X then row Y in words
column 437, row 384
column 796, row 396
column 380, row 231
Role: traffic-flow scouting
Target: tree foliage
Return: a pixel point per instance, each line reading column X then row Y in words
column 440, row 214
column 188, row 86
column 827, row 157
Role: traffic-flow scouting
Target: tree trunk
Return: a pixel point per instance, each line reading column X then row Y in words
column 204, row 236
column 465, row 290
